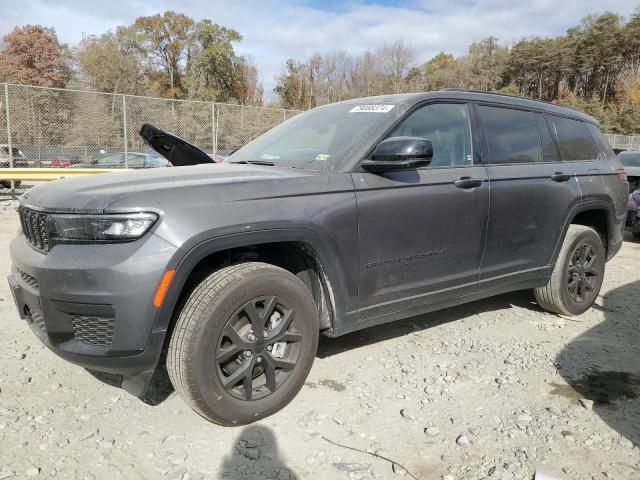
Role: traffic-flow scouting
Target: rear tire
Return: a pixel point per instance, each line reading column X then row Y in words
column 243, row 343
column 577, row 276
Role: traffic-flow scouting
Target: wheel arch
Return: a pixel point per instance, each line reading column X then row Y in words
column 300, row 251
column 598, row 214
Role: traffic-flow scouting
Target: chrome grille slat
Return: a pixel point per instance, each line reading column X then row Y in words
column 29, row 279
column 34, row 227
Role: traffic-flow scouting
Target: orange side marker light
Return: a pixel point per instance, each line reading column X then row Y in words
column 163, row 287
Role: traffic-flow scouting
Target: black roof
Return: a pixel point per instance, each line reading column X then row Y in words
column 478, row 96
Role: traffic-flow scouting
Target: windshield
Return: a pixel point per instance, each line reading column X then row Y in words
column 318, row 139
column 630, row 159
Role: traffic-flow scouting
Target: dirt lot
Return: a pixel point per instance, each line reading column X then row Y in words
column 495, row 389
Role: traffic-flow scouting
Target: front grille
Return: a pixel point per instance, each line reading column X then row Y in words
column 38, row 321
column 28, row 279
column 34, row 227
column 93, row 330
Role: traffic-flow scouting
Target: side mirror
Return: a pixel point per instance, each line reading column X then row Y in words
column 400, row 153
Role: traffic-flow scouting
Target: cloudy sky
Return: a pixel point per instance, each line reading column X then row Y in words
column 276, row 30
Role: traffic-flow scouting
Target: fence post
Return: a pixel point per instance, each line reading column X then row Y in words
column 284, row 115
column 215, row 144
column 9, row 140
column 213, row 129
column 124, row 133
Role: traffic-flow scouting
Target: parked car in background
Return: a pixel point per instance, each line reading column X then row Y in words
column 631, row 162
column 633, row 213
column 19, row 161
column 346, row 216
column 133, row 160
column 60, row 163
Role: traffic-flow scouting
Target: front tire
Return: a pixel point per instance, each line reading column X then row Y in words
column 578, row 273
column 243, row 343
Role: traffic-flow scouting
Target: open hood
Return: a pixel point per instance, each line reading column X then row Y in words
column 174, row 149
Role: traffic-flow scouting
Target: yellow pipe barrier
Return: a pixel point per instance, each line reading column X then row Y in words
column 46, row 174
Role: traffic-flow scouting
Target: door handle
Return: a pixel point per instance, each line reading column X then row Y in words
column 560, row 177
column 468, row 182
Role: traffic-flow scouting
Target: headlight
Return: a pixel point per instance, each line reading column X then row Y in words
column 100, row 228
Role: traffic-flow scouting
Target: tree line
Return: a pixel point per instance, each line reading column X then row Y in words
column 168, row 55
column 594, row 66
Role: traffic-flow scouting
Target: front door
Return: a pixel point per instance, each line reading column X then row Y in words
column 421, row 232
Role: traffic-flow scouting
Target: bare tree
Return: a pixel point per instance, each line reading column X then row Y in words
column 397, row 58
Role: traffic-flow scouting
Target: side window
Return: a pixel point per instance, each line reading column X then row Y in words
column 447, row 126
column 573, row 138
column 134, row 160
column 548, row 149
column 512, row 135
column 601, row 140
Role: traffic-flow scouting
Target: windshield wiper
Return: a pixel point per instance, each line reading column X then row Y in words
column 257, row 162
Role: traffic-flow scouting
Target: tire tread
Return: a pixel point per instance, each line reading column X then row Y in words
column 549, row 296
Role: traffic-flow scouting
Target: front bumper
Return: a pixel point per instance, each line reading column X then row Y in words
column 93, row 304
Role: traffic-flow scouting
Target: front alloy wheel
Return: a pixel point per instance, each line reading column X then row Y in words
column 258, row 348
column 243, row 343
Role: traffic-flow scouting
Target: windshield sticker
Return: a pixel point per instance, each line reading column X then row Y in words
column 371, row 109
column 323, row 157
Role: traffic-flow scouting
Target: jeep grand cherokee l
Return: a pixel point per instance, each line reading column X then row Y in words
column 347, row 216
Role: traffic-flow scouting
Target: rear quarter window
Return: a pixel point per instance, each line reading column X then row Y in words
column 574, row 140
column 601, row 142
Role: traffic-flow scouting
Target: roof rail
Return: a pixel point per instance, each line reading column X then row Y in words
column 469, row 90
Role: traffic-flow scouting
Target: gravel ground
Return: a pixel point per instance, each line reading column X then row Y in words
column 494, row 389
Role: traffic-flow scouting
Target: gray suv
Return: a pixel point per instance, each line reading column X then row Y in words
column 347, row 216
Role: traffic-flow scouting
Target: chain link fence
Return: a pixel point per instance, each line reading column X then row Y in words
column 624, row 142
column 61, row 128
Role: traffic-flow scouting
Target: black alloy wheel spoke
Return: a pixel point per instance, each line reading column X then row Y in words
column 582, row 273
column 245, row 358
column 246, row 369
column 279, row 363
column 270, row 375
column 280, row 329
column 257, row 322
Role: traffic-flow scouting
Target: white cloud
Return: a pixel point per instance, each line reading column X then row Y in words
column 274, row 31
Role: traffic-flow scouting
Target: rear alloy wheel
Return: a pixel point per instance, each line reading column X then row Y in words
column 243, row 343
column 577, row 276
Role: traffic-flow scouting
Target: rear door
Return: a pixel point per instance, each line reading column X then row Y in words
column 531, row 194
column 578, row 152
column 421, row 231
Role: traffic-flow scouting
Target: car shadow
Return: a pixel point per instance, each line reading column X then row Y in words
column 255, row 455
column 368, row 336
column 603, row 364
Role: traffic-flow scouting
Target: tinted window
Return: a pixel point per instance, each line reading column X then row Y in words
column 601, row 141
column 447, row 126
column 629, row 159
column 134, row 160
column 512, row 135
column 112, row 160
column 548, row 149
column 156, row 162
column 322, row 138
column 573, row 138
